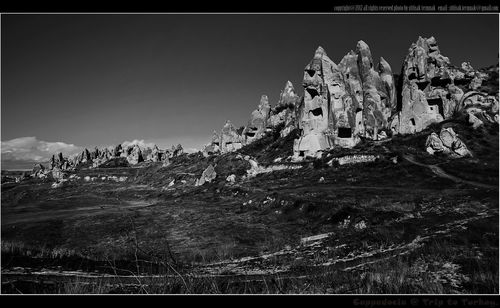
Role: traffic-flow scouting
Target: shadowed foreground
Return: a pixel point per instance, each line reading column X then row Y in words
column 407, row 222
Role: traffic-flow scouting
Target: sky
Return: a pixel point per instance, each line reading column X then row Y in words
column 83, row 80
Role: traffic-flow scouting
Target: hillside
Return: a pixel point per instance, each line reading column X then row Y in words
column 407, row 222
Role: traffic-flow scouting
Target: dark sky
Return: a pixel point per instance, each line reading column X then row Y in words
column 103, row 79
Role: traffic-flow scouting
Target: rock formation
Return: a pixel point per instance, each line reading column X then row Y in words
column 479, row 108
column 432, row 89
column 344, row 102
column 313, row 110
column 447, row 143
column 135, row 156
column 423, row 64
column 39, row 171
column 214, row 146
column 258, row 121
column 285, row 112
column 207, row 176
column 376, row 108
column 117, row 151
column 434, row 145
column 155, row 155
column 229, row 138
column 177, row 150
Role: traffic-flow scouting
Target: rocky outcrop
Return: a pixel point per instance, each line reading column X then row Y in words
column 230, row 140
column 155, row 155
column 446, row 143
column 376, row 98
column 258, row 121
column 479, row 108
column 432, row 88
column 177, row 151
column 135, row 156
column 285, row 112
column 117, row 151
column 39, row 171
column 207, row 176
column 423, row 64
column 344, row 102
column 313, row 110
column 416, row 114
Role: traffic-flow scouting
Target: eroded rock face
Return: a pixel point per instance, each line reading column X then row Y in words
column 375, row 110
column 479, row 108
column 285, row 112
column 258, row 121
column 441, row 83
column 416, row 114
column 423, row 64
column 313, row 111
column 229, row 138
column 344, row 102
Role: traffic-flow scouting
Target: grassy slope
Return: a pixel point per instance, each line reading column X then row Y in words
column 145, row 218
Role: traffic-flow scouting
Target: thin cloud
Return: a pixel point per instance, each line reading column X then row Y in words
column 32, row 149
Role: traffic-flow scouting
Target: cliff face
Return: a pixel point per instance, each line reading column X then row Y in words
column 341, row 104
column 344, row 102
column 433, row 89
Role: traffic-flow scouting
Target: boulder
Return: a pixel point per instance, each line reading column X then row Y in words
column 460, row 148
column 207, row 176
column 231, row 178
column 475, row 121
column 447, row 142
column 447, row 136
column 434, row 145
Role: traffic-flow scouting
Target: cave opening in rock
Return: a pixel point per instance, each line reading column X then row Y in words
column 317, row 112
column 412, row 121
column 216, row 143
column 229, row 143
column 312, row 92
column 440, row 82
column 436, row 102
column 422, row 85
column 412, row 76
column 250, row 134
column 344, row 132
column 301, row 153
column 311, row 72
column 461, row 82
